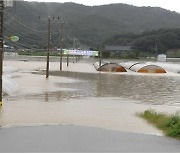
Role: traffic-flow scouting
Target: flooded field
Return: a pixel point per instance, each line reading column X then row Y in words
column 82, row 96
column 145, row 89
column 82, row 80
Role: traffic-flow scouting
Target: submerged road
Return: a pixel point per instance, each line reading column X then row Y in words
column 81, row 139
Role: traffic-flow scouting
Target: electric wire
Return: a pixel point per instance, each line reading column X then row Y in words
column 33, row 12
column 49, row 11
column 28, row 26
column 31, row 39
column 26, row 46
column 7, row 13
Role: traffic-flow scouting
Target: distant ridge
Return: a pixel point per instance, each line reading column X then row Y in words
column 91, row 25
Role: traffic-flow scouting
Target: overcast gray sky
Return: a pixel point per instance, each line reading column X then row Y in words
column 173, row 5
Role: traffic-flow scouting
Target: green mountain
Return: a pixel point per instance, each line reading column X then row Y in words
column 88, row 25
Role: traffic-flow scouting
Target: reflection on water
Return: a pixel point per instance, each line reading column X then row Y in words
column 146, row 89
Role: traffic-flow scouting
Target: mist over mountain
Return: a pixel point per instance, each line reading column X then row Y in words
column 90, row 25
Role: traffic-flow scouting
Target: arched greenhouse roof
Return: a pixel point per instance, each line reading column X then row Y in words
column 109, row 67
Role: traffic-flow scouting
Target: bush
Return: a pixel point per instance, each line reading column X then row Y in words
column 169, row 124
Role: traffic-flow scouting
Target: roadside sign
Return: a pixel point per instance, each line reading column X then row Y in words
column 81, row 52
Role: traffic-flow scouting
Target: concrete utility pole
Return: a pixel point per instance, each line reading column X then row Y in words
column 100, row 54
column 1, row 48
column 49, row 35
column 156, row 52
column 68, row 59
column 61, row 44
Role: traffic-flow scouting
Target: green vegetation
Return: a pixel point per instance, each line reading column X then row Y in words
column 169, row 124
column 154, row 41
column 90, row 25
column 36, row 53
column 173, row 53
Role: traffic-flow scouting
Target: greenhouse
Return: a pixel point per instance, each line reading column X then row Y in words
column 169, row 67
column 142, row 67
column 130, row 64
column 9, row 86
column 109, row 67
column 147, row 68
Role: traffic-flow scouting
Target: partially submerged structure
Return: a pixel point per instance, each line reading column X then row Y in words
column 142, row 67
column 161, row 58
column 169, row 67
column 129, row 64
column 9, row 86
column 145, row 68
column 109, row 67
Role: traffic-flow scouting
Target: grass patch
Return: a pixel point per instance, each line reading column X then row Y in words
column 169, row 124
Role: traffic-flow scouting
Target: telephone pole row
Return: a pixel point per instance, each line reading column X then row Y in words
column 61, row 45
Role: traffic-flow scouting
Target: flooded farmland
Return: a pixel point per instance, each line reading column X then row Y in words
column 145, row 89
column 80, row 95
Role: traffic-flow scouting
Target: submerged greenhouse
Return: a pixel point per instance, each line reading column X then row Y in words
column 109, row 67
column 142, row 67
column 169, row 67
column 9, row 86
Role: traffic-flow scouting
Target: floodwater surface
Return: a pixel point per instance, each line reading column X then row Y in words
column 82, row 96
column 156, row 90
column 82, row 80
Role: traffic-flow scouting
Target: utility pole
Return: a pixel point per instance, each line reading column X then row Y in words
column 61, row 44
column 48, row 51
column 68, row 59
column 1, row 48
column 156, row 51
column 74, row 47
column 76, row 58
column 74, row 43
column 73, row 58
column 100, row 55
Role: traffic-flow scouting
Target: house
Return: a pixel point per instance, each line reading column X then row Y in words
column 116, row 51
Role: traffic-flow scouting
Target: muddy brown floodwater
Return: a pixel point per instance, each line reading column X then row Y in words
column 80, row 95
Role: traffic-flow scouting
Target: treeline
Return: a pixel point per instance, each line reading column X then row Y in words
column 155, row 41
column 89, row 25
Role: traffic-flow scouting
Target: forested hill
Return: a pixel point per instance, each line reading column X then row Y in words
column 90, row 25
column 159, row 41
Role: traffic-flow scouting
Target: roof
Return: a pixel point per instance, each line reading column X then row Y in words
column 117, row 48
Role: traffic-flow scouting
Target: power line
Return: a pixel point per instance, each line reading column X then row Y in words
column 7, row 13
column 33, row 12
column 24, row 45
column 38, row 16
column 17, row 30
column 28, row 26
column 43, row 41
